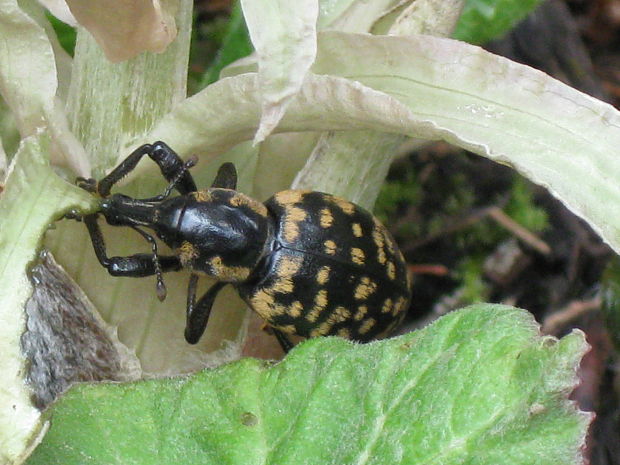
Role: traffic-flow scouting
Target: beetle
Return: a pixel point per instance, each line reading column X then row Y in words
column 309, row 263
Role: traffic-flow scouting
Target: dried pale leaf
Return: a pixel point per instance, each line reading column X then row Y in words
column 356, row 15
column 231, row 107
column 125, row 28
column 60, row 9
column 553, row 134
column 31, row 196
column 284, row 36
column 27, row 69
column 433, row 17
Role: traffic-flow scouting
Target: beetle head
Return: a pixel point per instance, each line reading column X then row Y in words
column 121, row 210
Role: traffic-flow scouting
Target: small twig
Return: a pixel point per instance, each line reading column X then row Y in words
column 429, row 269
column 454, row 225
column 577, row 308
column 519, row 231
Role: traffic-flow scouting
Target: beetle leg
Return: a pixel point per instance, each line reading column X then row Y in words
column 137, row 265
column 198, row 312
column 226, row 177
column 284, row 341
column 170, row 165
column 191, row 161
column 104, row 186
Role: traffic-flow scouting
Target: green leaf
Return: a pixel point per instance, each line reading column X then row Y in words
column 65, row 33
column 478, row 386
column 485, row 20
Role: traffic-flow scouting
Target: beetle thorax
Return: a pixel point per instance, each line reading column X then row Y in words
column 222, row 233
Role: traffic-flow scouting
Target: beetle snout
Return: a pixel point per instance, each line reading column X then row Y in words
column 115, row 202
column 117, row 209
column 121, row 210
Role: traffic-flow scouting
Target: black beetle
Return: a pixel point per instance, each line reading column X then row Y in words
column 309, row 263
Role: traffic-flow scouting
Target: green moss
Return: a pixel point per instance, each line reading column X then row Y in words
column 523, row 210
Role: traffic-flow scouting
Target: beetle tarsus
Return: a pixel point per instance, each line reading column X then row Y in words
column 161, row 288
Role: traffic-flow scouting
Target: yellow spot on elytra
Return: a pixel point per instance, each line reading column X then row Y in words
column 387, row 306
column 321, row 298
column 278, row 309
column 367, row 325
column 385, row 234
column 321, row 330
column 295, row 309
column 361, row 313
column 292, row 218
column 288, row 329
column 227, row 273
column 323, row 275
column 202, row 196
column 381, row 256
column 262, row 302
column 283, row 286
column 391, row 270
column 345, row 333
column 326, row 218
column 365, row 288
column 357, row 255
column 330, row 247
column 289, row 266
column 357, row 229
column 344, row 205
column 187, row 254
column 379, row 239
column 289, row 197
column 399, row 306
column 339, row 315
column 241, row 200
column 320, row 302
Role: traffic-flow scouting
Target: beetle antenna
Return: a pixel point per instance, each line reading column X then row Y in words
column 160, row 287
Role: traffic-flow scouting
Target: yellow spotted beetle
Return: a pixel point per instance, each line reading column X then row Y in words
column 310, row 264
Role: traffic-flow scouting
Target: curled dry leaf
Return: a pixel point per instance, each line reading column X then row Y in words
column 284, row 36
column 126, row 28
